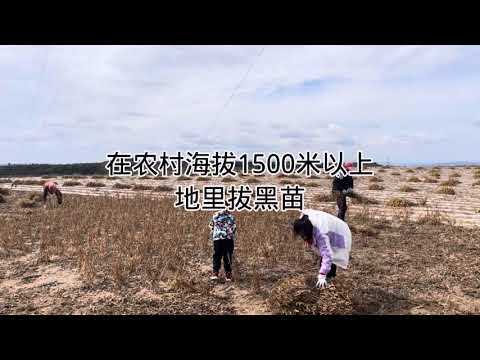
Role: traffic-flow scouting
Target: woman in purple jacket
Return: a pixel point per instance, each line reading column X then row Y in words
column 328, row 237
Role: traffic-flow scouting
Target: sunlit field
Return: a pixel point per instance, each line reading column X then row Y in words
column 118, row 246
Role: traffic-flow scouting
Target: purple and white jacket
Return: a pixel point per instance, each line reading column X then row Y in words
column 332, row 239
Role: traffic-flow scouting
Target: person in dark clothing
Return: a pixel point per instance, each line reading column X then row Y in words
column 341, row 186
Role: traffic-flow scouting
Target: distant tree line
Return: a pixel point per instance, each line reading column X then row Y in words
column 49, row 169
column 77, row 169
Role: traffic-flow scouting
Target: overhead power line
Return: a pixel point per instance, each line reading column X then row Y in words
column 240, row 83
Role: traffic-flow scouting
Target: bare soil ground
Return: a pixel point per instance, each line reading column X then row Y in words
column 137, row 255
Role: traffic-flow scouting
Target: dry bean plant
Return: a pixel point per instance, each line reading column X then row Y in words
column 133, row 246
column 149, row 241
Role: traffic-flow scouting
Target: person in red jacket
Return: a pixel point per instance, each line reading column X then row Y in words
column 51, row 188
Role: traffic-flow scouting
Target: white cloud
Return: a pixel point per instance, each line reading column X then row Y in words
column 327, row 98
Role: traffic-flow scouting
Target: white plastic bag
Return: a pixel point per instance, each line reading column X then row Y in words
column 337, row 232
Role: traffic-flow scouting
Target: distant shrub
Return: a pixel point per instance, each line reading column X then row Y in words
column 203, row 178
column 98, row 177
column 252, row 181
column 183, row 178
column 432, row 218
column 434, row 174
column 375, row 179
column 228, row 180
column 74, row 177
column 414, row 179
column 455, row 175
column 395, row 173
column 94, row 184
column 375, row 187
column 358, row 199
column 4, row 192
column 286, row 182
column 398, row 202
column 29, row 182
column 30, row 201
column 407, row 189
column 446, row 190
column 430, row 180
column 476, row 183
column 2, row 199
column 450, row 182
column 410, row 171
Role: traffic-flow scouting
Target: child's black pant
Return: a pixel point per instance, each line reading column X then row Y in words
column 222, row 249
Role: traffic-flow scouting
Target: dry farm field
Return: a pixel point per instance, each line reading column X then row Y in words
column 118, row 246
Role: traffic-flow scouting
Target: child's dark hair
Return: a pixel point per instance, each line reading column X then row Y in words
column 303, row 227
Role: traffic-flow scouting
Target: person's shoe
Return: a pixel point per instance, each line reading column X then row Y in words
column 214, row 276
column 228, row 276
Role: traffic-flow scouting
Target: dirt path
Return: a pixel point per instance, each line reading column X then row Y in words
column 27, row 287
column 243, row 300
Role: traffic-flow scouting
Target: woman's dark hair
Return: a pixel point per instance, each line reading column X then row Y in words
column 303, row 227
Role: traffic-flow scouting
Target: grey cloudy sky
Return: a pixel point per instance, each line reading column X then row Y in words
column 76, row 103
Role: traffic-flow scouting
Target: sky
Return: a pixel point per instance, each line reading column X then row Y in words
column 397, row 104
